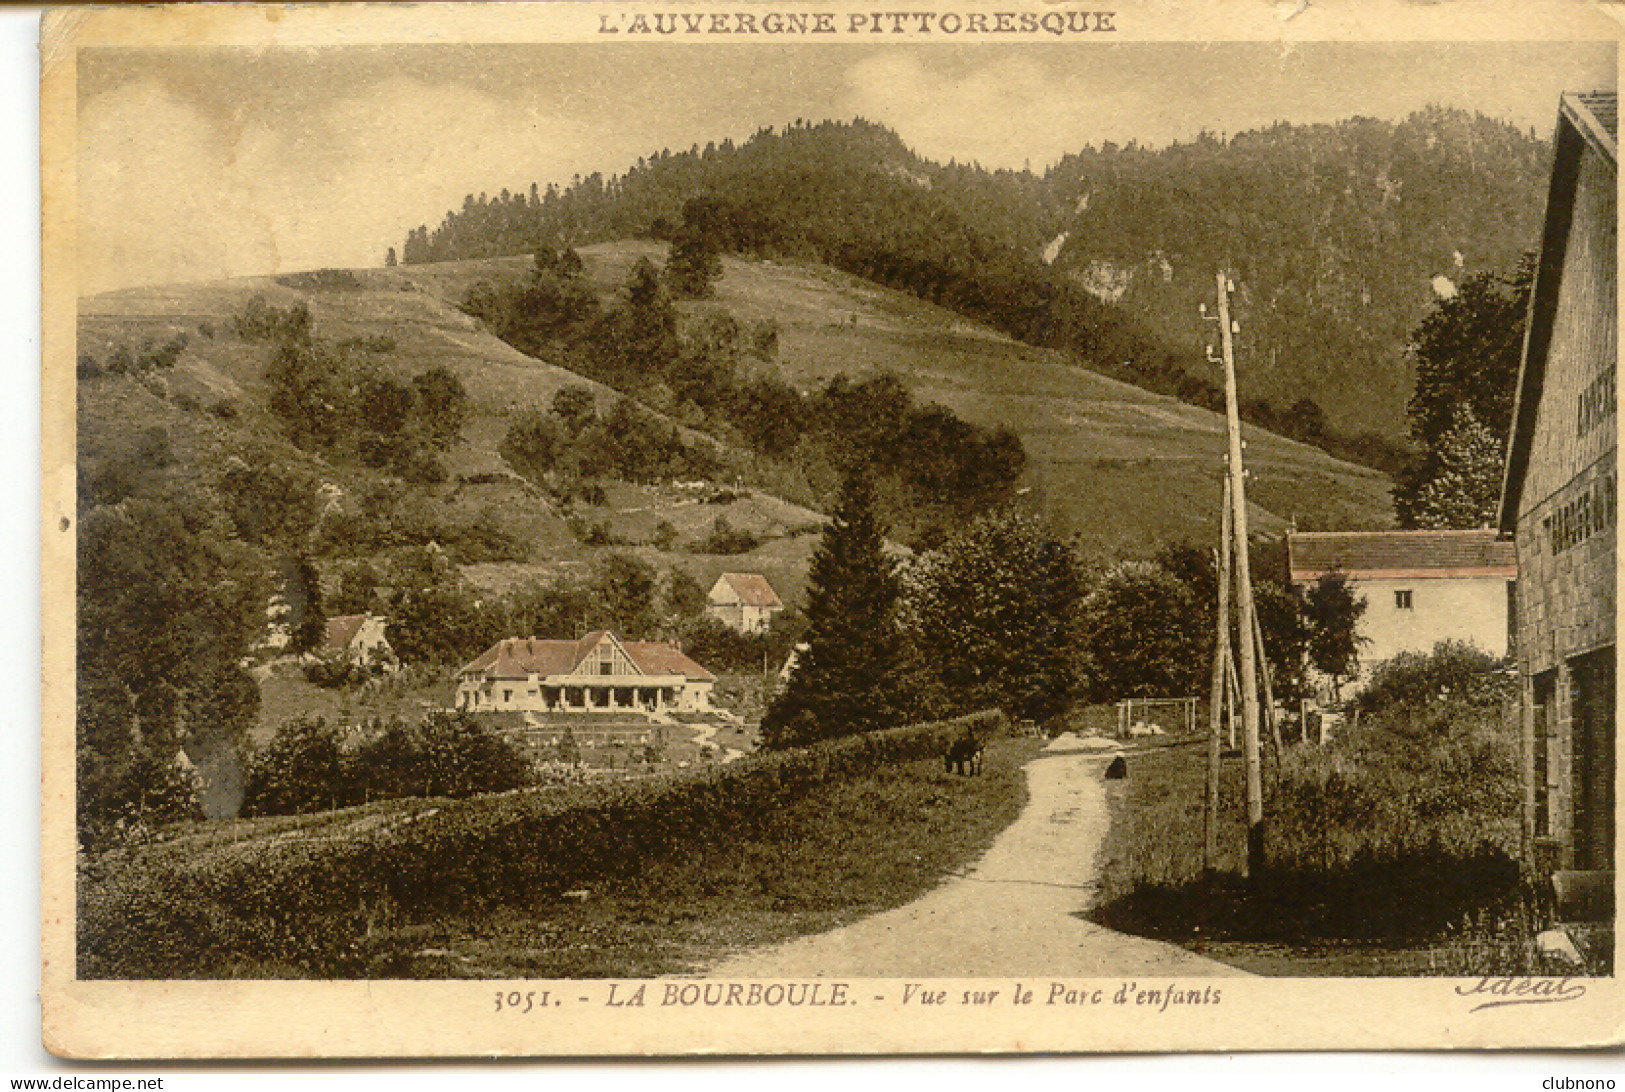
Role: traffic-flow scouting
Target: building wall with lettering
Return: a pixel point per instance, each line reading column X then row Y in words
column 1566, row 525
column 1568, row 511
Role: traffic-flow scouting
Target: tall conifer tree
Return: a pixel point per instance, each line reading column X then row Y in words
column 844, row 679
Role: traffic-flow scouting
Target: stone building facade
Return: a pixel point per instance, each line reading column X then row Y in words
column 1559, row 501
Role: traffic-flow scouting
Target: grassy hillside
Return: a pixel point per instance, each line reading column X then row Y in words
column 1117, row 466
column 213, row 403
column 1114, row 464
column 1334, row 234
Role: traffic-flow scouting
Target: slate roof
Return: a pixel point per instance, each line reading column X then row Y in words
column 751, row 589
column 521, row 657
column 1400, row 554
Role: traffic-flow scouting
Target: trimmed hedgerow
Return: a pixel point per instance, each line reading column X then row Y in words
column 304, row 902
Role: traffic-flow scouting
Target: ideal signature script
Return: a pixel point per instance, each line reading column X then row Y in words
column 1494, row 993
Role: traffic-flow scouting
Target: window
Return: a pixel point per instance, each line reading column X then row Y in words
column 1402, row 599
column 1543, row 717
column 507, row 695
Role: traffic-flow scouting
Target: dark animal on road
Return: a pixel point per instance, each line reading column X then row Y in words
column 1118, row 770
column 964, row 756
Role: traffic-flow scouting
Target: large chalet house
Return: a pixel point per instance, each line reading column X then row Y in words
column 599, row 673
column 745, row 602
column 1419, row 587
column 1560, row 502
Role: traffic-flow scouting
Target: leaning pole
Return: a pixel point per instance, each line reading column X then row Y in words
column 1244, row 592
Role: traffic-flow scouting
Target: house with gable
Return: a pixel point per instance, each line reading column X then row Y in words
column 358, row 639
column 1419, row 587
column 745, row 602
column 1559, row 502
column 598, row 673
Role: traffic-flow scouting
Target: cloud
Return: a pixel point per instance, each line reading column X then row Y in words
column 159, row 201
column 988, row 114
column 1014, row 109
column 170, row 192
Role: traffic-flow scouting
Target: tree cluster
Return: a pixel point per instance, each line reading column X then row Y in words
column 1466, row 353
column 331, row 399
column 165, row 608
column 152, row 356
column 711, row 374
column 570, row 442
column 1002, row 615
column 307, row 765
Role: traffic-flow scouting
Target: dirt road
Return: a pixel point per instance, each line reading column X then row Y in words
column 1017, row 911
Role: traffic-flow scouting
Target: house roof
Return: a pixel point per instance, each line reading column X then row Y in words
column 521, row 657
column 342, row 630
column 1586, row 120
column 1400, row 554
column 751, row 589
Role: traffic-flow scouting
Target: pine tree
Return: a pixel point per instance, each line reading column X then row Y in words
column 312, row 629
column 1464, row 489
column 844, row 680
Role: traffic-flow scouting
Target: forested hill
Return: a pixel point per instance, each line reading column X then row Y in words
column 1334, row 233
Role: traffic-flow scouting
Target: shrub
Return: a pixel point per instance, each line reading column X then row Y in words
column 1454, row 671
column 301, row 769
column 332, row 280
column 330, row 672
column 724, row 540
column 259, row 320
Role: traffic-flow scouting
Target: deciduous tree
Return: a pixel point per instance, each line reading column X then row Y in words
column 1466, row 354
column 995, row 618
column 1332, row 611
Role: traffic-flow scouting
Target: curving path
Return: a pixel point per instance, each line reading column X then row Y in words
column 1017, row 911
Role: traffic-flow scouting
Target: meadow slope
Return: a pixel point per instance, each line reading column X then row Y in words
column 1119, row 467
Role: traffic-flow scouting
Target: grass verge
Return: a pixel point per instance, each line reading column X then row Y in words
column 1386, row 853
column 861, row 847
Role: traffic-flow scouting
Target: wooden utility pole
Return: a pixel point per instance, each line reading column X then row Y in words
column 1244, row 594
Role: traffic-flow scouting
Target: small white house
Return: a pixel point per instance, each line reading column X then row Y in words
column 1419, row 587
column 745, row 602
column 359, row 638
column 597, row 674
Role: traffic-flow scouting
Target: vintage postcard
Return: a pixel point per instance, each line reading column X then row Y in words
column 765, row 527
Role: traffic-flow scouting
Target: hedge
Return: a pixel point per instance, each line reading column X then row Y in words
column 305, row 905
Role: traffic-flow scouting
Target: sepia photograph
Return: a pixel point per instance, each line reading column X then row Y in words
column 615, row 528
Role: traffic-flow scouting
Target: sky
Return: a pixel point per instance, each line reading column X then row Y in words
column 200, row 163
